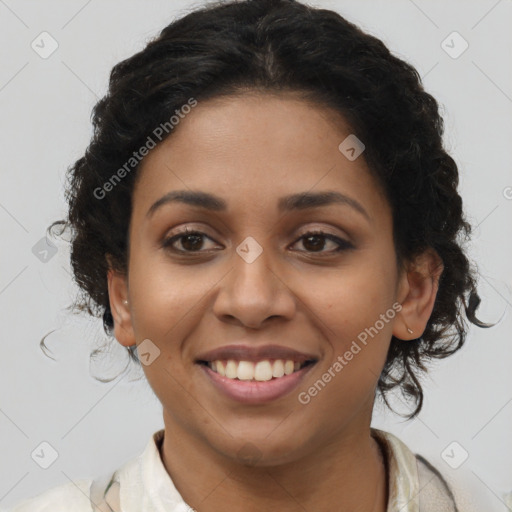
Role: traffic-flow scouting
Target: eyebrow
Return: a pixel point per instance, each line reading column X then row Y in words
column 300, row 201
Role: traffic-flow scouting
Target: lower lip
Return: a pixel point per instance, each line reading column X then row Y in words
column 256, row 392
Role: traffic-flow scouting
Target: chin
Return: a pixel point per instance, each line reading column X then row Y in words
column 261, row 449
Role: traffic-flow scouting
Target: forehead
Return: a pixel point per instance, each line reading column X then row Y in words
column 234, row 127
column 253, row 148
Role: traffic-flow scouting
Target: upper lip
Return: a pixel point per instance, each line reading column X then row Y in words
column 252, row 353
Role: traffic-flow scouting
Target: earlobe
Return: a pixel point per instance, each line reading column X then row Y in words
column 119, row 306
column 420, row 286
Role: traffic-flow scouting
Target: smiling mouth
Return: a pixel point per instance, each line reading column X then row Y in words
column 264, row 370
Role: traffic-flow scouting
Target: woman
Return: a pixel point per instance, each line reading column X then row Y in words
column 267, row 219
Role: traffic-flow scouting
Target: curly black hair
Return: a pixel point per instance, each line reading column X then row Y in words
column 272, row 46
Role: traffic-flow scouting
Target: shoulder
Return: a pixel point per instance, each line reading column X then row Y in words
column 103, row 491
column 62, row 498
column 435, row 492
column 414, row 483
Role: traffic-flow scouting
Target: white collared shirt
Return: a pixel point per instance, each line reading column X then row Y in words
column 143, row 485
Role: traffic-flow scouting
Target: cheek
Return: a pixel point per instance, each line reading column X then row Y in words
column 355, row 309
column 167, row 306
column 354, row 296
column 164, row 295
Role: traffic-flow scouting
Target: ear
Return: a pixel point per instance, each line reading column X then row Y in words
column 120, row 305
column 417, row 293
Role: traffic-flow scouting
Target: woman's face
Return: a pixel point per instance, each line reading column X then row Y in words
column 253, row 285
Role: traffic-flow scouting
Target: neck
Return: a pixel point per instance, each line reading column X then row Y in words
column 349, row 474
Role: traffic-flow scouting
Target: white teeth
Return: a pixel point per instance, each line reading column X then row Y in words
column 278, row 370
column 260, row 371
column 221, row 369
column 263, row 370
column 231, row 368
column 245, row 370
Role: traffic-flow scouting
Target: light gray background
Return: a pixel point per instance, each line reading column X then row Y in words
column 45, row 126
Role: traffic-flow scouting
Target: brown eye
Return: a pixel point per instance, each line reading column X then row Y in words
column 315, row 241
column 190, row 241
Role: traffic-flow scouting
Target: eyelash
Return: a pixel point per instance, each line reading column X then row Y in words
column 343, row 245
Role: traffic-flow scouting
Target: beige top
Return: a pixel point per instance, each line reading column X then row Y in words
column 143, row 485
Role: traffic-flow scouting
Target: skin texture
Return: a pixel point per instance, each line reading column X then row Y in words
column 251, row 150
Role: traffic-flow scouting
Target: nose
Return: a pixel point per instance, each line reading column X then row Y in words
column 253, row 293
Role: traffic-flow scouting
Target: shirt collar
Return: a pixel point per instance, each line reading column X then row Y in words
column 402, row 470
